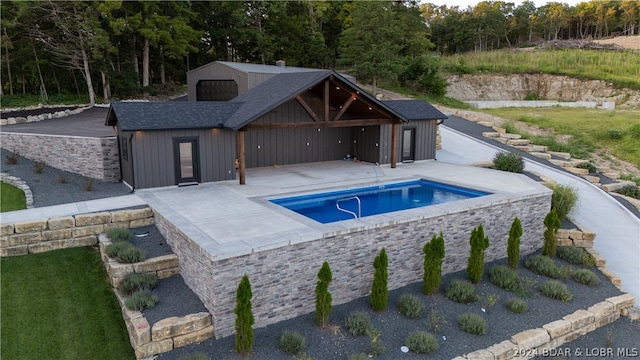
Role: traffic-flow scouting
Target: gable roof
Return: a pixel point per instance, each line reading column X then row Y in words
column 415, row 110
column 134, row 116
column 282, row 88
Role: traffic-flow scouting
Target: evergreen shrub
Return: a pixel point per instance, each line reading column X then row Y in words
column 475, row 265
column 379, row 289
column 513, row 244
column 563, row 200
column 552, row 223
column 244, row 317
column 323, row 296
column 433, row 255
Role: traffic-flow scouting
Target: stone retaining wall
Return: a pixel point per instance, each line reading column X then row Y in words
column 532, row 342
column 96, row 158
column 35, row 236
column 20, row 184
column 283, row 279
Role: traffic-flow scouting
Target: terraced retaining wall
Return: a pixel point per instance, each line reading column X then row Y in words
column 35, row 236
column 95, row 158
column 283, row 279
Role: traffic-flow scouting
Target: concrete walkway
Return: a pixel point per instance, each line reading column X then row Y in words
column 617, row 230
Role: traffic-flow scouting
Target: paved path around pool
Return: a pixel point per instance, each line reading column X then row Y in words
column 227, row 219
column 617, row 230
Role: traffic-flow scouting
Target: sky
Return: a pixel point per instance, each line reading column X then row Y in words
column 463, row 4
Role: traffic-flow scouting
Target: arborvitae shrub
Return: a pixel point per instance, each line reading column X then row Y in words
column 461, row 291
column 358, row 323
column 421, row 342
column 563, row 200
column 137, row 281
column 472, row 323
column 118, row 234
column 292, row 342
column 556, row 290
column 586, row 277
column 508, row 161
column 576, row 255
column 513, row 244
column 244, row 317
column 504, row 277
column 517, row 306
column 552, row 224
column 379, row 289
column 323, row 296
column 479, row 243
column 410, row 306
column 433, row 256
column 141, row 299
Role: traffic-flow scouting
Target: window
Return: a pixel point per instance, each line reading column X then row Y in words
column 216, row 90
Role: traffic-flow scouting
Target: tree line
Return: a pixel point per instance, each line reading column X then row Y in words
column 115, row 49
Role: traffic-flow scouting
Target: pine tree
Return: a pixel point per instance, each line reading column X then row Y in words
column 323, row 296
column 479, row 243
column 244, row 317
column 433, row 256
column 379, row 290
column 513, row 245
column 552, row 223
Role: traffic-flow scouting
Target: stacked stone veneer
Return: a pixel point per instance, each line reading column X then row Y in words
column 283, row 279
column 35, row 236
column 96, row 158
column 540, row 341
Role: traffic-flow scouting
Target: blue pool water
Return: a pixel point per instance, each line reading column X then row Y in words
column 375, row 200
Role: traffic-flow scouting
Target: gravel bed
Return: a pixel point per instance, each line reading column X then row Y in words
column 48, row 190
column 337, row 343
column 149, row 239
column 174, row 299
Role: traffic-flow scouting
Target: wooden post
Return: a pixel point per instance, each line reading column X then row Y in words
column 326, row 100
column 241, row 156
column 394, row 144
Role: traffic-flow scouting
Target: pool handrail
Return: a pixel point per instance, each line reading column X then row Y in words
column 356, row 216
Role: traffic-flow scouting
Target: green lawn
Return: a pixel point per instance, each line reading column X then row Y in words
column 11, row 198
column 590, row 129
column 59, row 305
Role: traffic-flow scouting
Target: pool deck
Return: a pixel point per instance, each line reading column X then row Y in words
column 227, row 219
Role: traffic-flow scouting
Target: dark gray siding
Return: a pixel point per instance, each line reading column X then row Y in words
column 294, row 146
column 425, row 147
column 154, row 162
column 366, row 144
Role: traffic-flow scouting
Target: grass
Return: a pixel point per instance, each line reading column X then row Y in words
column 589, row 130
column 59, row 305
column 12, row 198
column 24, row 100
column 618, row 67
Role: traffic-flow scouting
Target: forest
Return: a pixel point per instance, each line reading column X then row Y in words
column 119, row 49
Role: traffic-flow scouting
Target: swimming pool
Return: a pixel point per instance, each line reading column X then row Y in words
column 350, row 204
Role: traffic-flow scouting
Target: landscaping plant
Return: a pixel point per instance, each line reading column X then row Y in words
column 544, row 265
column 563, row 200
column 508, row 161
column 410, row 306
column 479, row 243
column 586, row 277
column 292, row 342
column 140, row 300
column 433, row 256
column 421, row 342
column 517, row 306
column 244, row 317
column 323, row 296
column 552, row 223
column 576, row 255
column 461, row 291
column 513, row 244
column 377, row 346
column 379, row 289
column 118, row 234
column 437, row 321
column 133, row 282
column 472, row 323
column 358, row 323
column 556, row 290
column 504, row 277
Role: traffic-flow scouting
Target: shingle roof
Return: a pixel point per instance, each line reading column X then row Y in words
column 134, row 116
column 268, row 69
column 415, row 109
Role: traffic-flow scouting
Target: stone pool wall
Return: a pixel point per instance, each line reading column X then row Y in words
column 283, row 279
